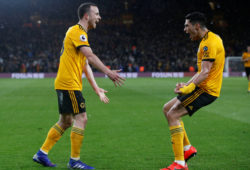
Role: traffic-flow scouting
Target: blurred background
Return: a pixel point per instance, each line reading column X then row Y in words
column 133, row 35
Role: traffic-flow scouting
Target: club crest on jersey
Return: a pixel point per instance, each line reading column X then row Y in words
column 83, row 38
column 205, row 48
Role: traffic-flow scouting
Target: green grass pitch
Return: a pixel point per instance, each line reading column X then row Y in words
column 129, row 133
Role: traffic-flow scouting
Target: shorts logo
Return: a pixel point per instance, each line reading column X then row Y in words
column 190, row 107
column 82, row 105
column 83, row 38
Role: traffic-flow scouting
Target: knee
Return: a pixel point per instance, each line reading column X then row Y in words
column 84, row 119
column 165, row 109
column 170, row 116
column 65, row 123
column 81, row 120
column 69, row 123
column 169, row 113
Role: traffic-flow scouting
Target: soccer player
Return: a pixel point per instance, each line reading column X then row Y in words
column 202, row 89
column 246, row 60
column 76, row 55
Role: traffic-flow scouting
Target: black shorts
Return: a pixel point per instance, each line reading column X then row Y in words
column 196, row 100
column 70, row 102
column 247, row 69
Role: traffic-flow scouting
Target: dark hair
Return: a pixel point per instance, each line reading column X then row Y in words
column 197, row 17
column 84, row 8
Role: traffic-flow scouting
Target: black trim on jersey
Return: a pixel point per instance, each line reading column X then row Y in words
column 209, row 59
column 205, row 36
column 81, row 28
column 82, row 46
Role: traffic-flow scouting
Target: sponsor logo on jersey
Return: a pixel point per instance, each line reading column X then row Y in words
column 83, row 38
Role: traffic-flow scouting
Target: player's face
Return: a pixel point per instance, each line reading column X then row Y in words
column 94, row 16
column 248, row 49
column 192, row 30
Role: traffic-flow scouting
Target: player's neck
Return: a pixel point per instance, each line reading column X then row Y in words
column 84, row 25
column 203, row 32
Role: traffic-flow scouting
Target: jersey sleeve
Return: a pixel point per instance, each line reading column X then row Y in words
column 209, row 51
column 79, row 39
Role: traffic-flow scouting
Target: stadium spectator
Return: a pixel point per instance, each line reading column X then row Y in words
column 150, row 36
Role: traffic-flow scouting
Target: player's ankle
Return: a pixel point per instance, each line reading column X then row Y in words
column 180, row 162
column 187, row 147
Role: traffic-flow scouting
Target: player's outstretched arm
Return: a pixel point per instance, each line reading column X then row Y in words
column 97, row 63
column 99, row 91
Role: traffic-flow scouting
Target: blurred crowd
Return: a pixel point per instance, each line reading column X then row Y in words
column 133, row 35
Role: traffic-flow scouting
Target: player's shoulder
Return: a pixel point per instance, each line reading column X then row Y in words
column 76, row 30
column 211, row 39
column 245, row 54
column 211, row 36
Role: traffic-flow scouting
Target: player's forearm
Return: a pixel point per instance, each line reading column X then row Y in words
column 192, row 79
column 90, row 76
column 205, row 70
column 97, row 63
column 200, row 77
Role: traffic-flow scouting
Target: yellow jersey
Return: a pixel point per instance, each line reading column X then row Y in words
column 211, row 49
column 72, row 61
column 246, row 55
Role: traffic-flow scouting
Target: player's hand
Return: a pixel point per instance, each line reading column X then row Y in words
column 115, row 77
column 178, row 86
column 186, row 89
column 101, row 93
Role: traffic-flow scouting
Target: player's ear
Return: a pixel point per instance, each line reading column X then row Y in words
column 86, row 16
column 197, row 26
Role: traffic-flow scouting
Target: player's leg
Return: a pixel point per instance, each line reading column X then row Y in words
column 189, row 150
column 166, row 108
column 248, row 77
column 173, row 116
column 77, row 134
column 177, row 133
column 193, row 102
column 77, row 131
column 64, row 122
column 173, row 111
column 57, row 130
column 186, row 142
column 54, row 134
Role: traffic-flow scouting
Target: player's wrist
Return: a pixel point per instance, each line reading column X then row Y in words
column 96, row 89
column 188, row 89
column 192, row 85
